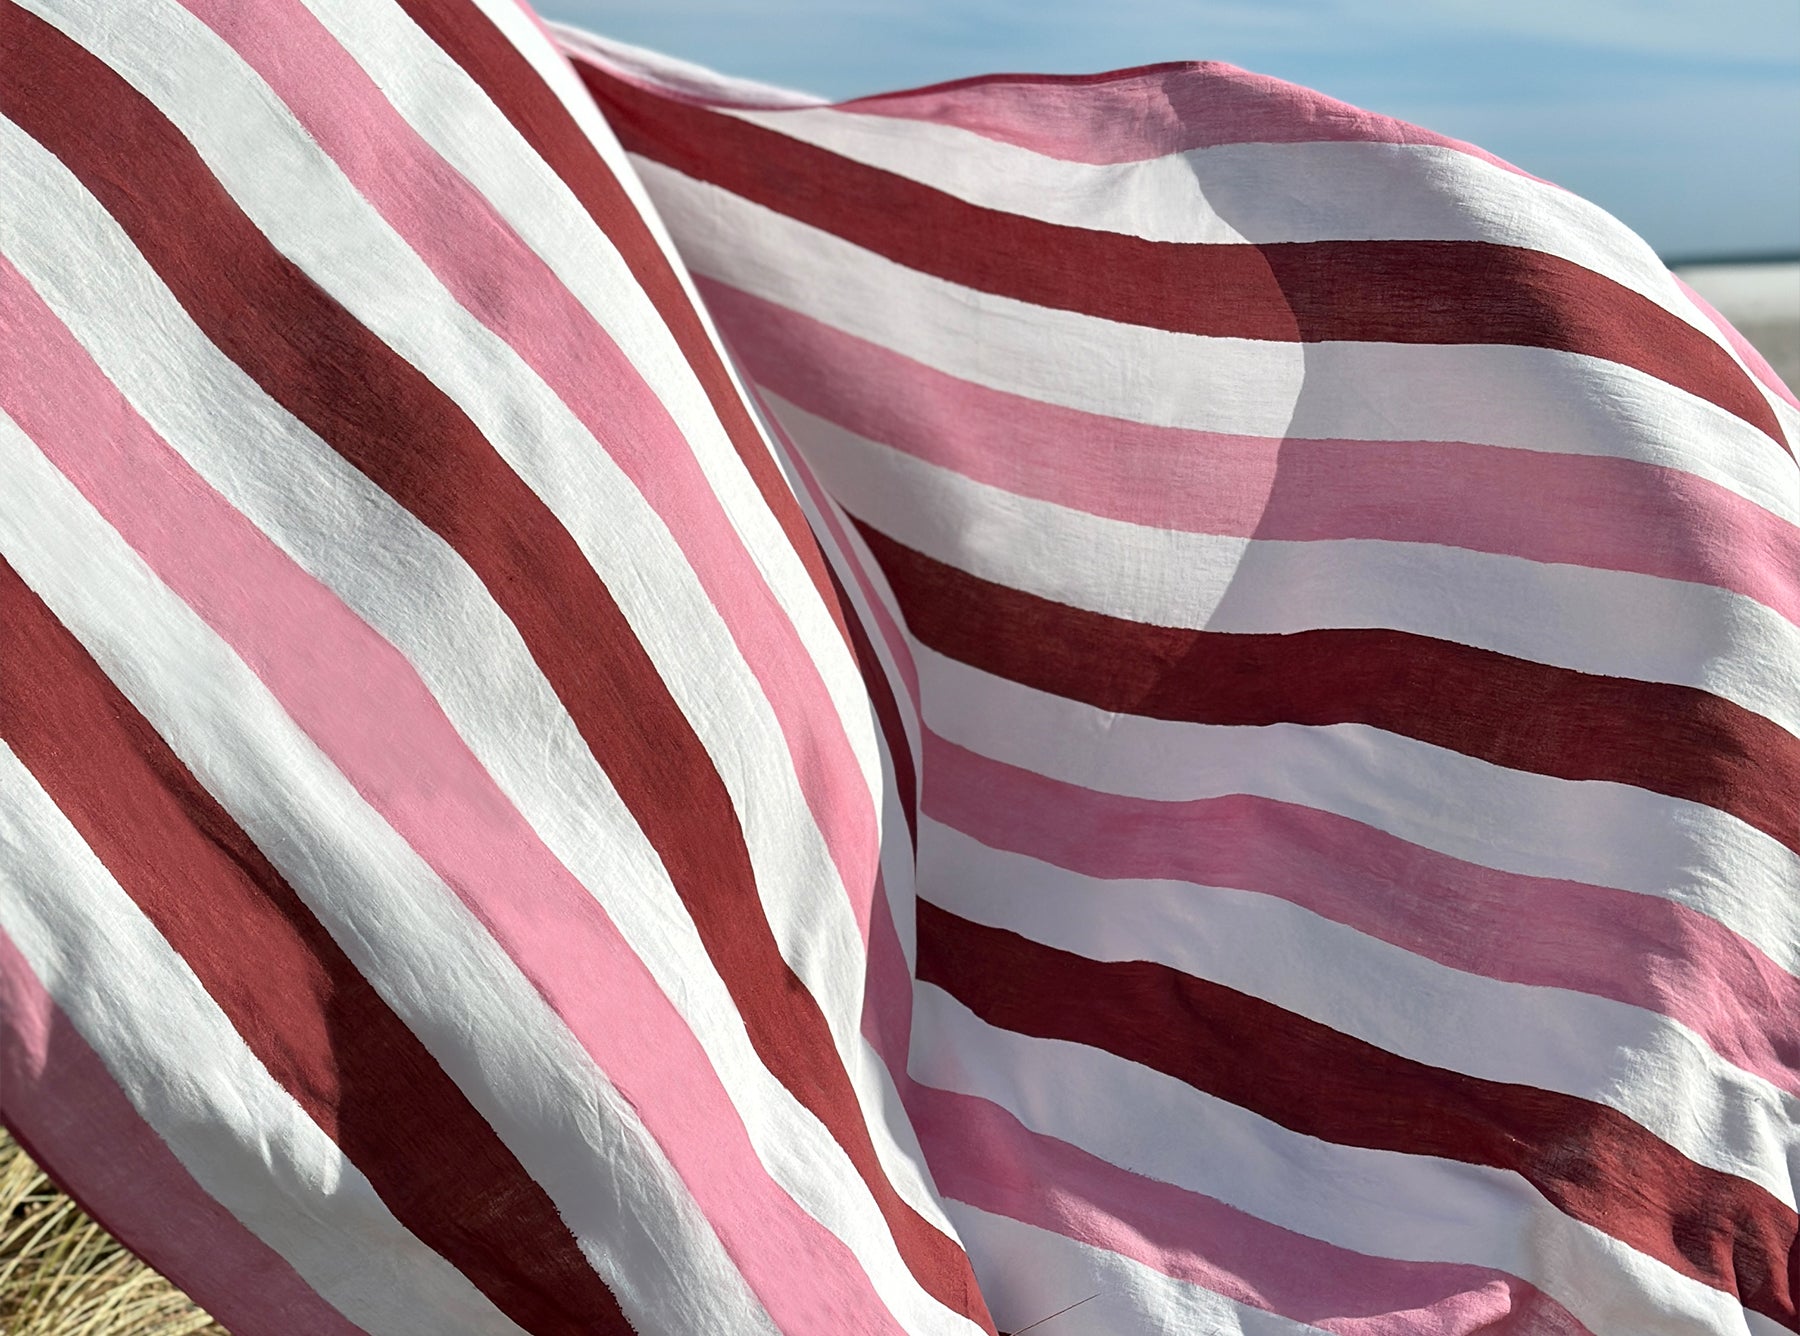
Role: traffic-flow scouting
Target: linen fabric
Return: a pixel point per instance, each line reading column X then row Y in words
column 634, row 702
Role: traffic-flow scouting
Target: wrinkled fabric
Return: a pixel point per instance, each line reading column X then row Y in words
column 635, row 702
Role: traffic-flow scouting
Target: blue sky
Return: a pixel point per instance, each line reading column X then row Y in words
column 1682, row 117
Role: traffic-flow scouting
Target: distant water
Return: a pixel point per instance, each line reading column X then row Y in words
column 1763, row 301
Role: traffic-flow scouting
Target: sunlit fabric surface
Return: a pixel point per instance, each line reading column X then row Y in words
column 631, row 702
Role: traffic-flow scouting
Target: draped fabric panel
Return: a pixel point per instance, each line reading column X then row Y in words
column 633, row 702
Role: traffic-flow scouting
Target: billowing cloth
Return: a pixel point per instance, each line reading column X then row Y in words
column 633, row 702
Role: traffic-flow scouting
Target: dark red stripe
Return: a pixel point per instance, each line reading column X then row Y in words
column 504, row 74
column 887, row 713
column 1441, row 292
column 388, row 420
column 1669, row 739
column 304, row 1009
column 1589, row 1160
column 470, row 38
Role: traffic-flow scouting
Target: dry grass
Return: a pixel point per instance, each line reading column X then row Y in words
column 62, row 1275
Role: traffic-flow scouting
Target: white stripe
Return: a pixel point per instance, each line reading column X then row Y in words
column 847, row 561
column 1380, row 1203
column 1028, row 1273
column 1652, row 1069
column 372, row 888
column 1260, row 193
column 189, row 1074
column 678, row 76
column 1789, row 416
column 405, row 931
column 899, row 872
column 1614, row 623
column 308, row 209
column 1516, row 397
column 901, row 1159
column 452, row 114
column 441, row 99
column 1603, row 834
column 413, row 590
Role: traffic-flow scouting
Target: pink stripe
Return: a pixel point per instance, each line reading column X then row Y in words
column 1636, row 949
column 1757, row 364
column 1129, row 115
column 1582, row 510
column 867, row 576
column 887, row 1002
column 979, row 1154
column 502, row 282
column 1137, row 114
column 851, row 554
column 982, row 1155
column 69, row 1114
column 368, row 710
column 887, row 993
